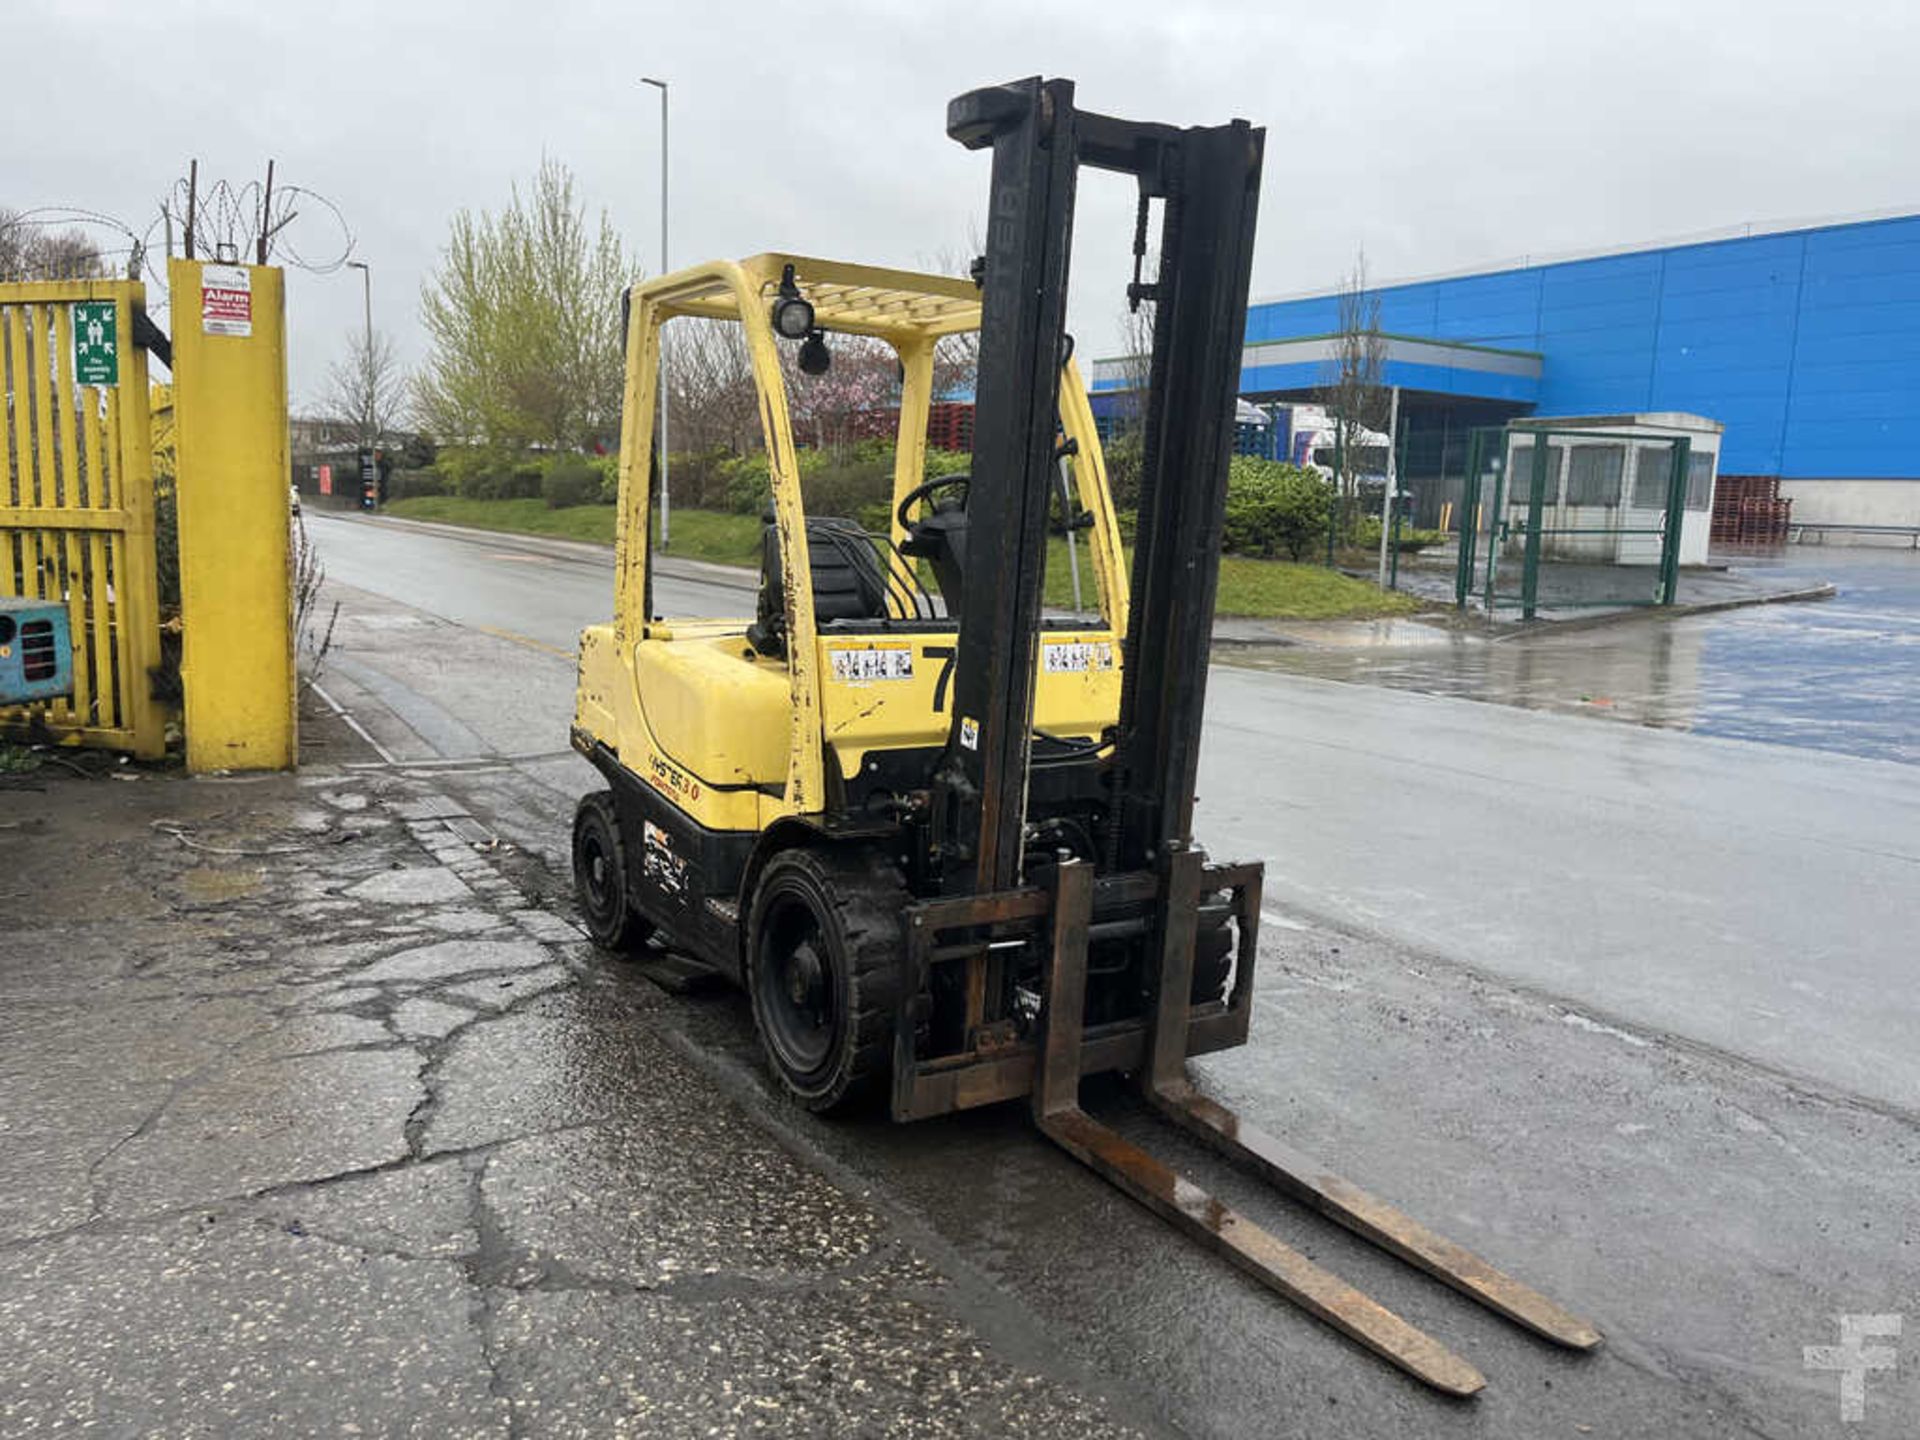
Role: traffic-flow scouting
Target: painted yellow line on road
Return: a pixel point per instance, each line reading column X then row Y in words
column 527, row 640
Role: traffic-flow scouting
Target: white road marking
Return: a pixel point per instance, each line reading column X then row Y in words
column 352, row 724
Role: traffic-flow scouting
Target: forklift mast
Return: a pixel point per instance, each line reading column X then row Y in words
column 1207, row 179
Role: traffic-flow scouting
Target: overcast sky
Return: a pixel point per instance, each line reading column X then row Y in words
column 1434, row 136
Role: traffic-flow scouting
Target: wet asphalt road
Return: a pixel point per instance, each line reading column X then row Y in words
column 1630, row 1010
column 1754, row 898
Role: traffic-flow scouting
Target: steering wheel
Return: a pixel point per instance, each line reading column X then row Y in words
column 927, row 489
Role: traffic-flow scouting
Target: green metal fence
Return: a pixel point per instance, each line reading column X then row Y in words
column 1570, row 519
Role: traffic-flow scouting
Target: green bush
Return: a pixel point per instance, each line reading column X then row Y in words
column 943, row 462
column 475, row 473
column 570, row 480
column 417, row 452
column 849, row 482
column 699, row 478
column 412, row 484
column 606, row 469
column 479, row 473
column 742, row 480
column 1123, row 470
column 845, row 489
column 1411, row 541
column 524, row 479
column 746, row 484
column 1274, row 507
column 459, row 467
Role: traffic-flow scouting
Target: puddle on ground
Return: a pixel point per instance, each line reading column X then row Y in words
column 212, row 887
column 1391, row 634
column 1837, row 675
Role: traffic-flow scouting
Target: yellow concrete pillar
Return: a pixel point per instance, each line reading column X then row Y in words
column 236, row 585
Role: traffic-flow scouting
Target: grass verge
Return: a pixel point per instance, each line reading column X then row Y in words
column 697, row 534
column 519, row 517
column 1259, row 589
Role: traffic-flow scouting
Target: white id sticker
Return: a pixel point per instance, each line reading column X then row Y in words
column 881, row 662
column 1073, row 657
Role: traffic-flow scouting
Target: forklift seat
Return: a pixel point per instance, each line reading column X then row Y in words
column 848, row 583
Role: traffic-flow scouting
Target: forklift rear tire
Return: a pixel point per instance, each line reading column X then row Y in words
column 601, row 883
column 823, row 972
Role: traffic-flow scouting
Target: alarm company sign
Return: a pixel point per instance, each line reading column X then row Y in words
column 226, row 300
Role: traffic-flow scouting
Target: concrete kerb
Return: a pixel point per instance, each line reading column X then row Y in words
column 582, row 551
column 1238, row 633
column 1507, row 630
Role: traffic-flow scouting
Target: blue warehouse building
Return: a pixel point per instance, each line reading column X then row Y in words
column 1804, row 343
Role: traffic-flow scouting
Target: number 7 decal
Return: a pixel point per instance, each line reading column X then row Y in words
column 946, row 653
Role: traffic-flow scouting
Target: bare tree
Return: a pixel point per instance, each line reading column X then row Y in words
column 1124, row 446
column 1355, row 394
column 1136, row 362
column 30, row 250
column 710, row 390
column 830, row 410
column 715, row 406
column 366, row 389
column 956, row 358
column 956, row 365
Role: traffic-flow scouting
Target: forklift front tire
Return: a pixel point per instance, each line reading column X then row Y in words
column 601, row 885
column 823, row 972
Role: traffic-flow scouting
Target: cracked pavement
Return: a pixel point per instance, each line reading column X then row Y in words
column 310, row 1124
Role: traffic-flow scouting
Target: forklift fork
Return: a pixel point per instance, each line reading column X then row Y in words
column 1056, row 1108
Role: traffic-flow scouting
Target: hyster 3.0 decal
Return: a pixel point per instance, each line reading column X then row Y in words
column 674, row 782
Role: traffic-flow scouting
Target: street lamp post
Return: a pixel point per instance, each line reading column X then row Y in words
column 1393, row 484
column 366, row 355
column 661, row 403
column 369, row 467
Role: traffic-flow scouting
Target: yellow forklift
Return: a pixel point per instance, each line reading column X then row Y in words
column 940, row 832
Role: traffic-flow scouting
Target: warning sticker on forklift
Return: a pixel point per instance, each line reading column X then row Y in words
column 662, row 866
column 1076, row 656
column 879, row 662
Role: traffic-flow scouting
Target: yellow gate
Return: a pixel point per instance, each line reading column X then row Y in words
column 76, row 502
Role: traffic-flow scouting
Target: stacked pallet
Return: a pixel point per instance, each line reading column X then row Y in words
column 950, row 425
column 1748, row 510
